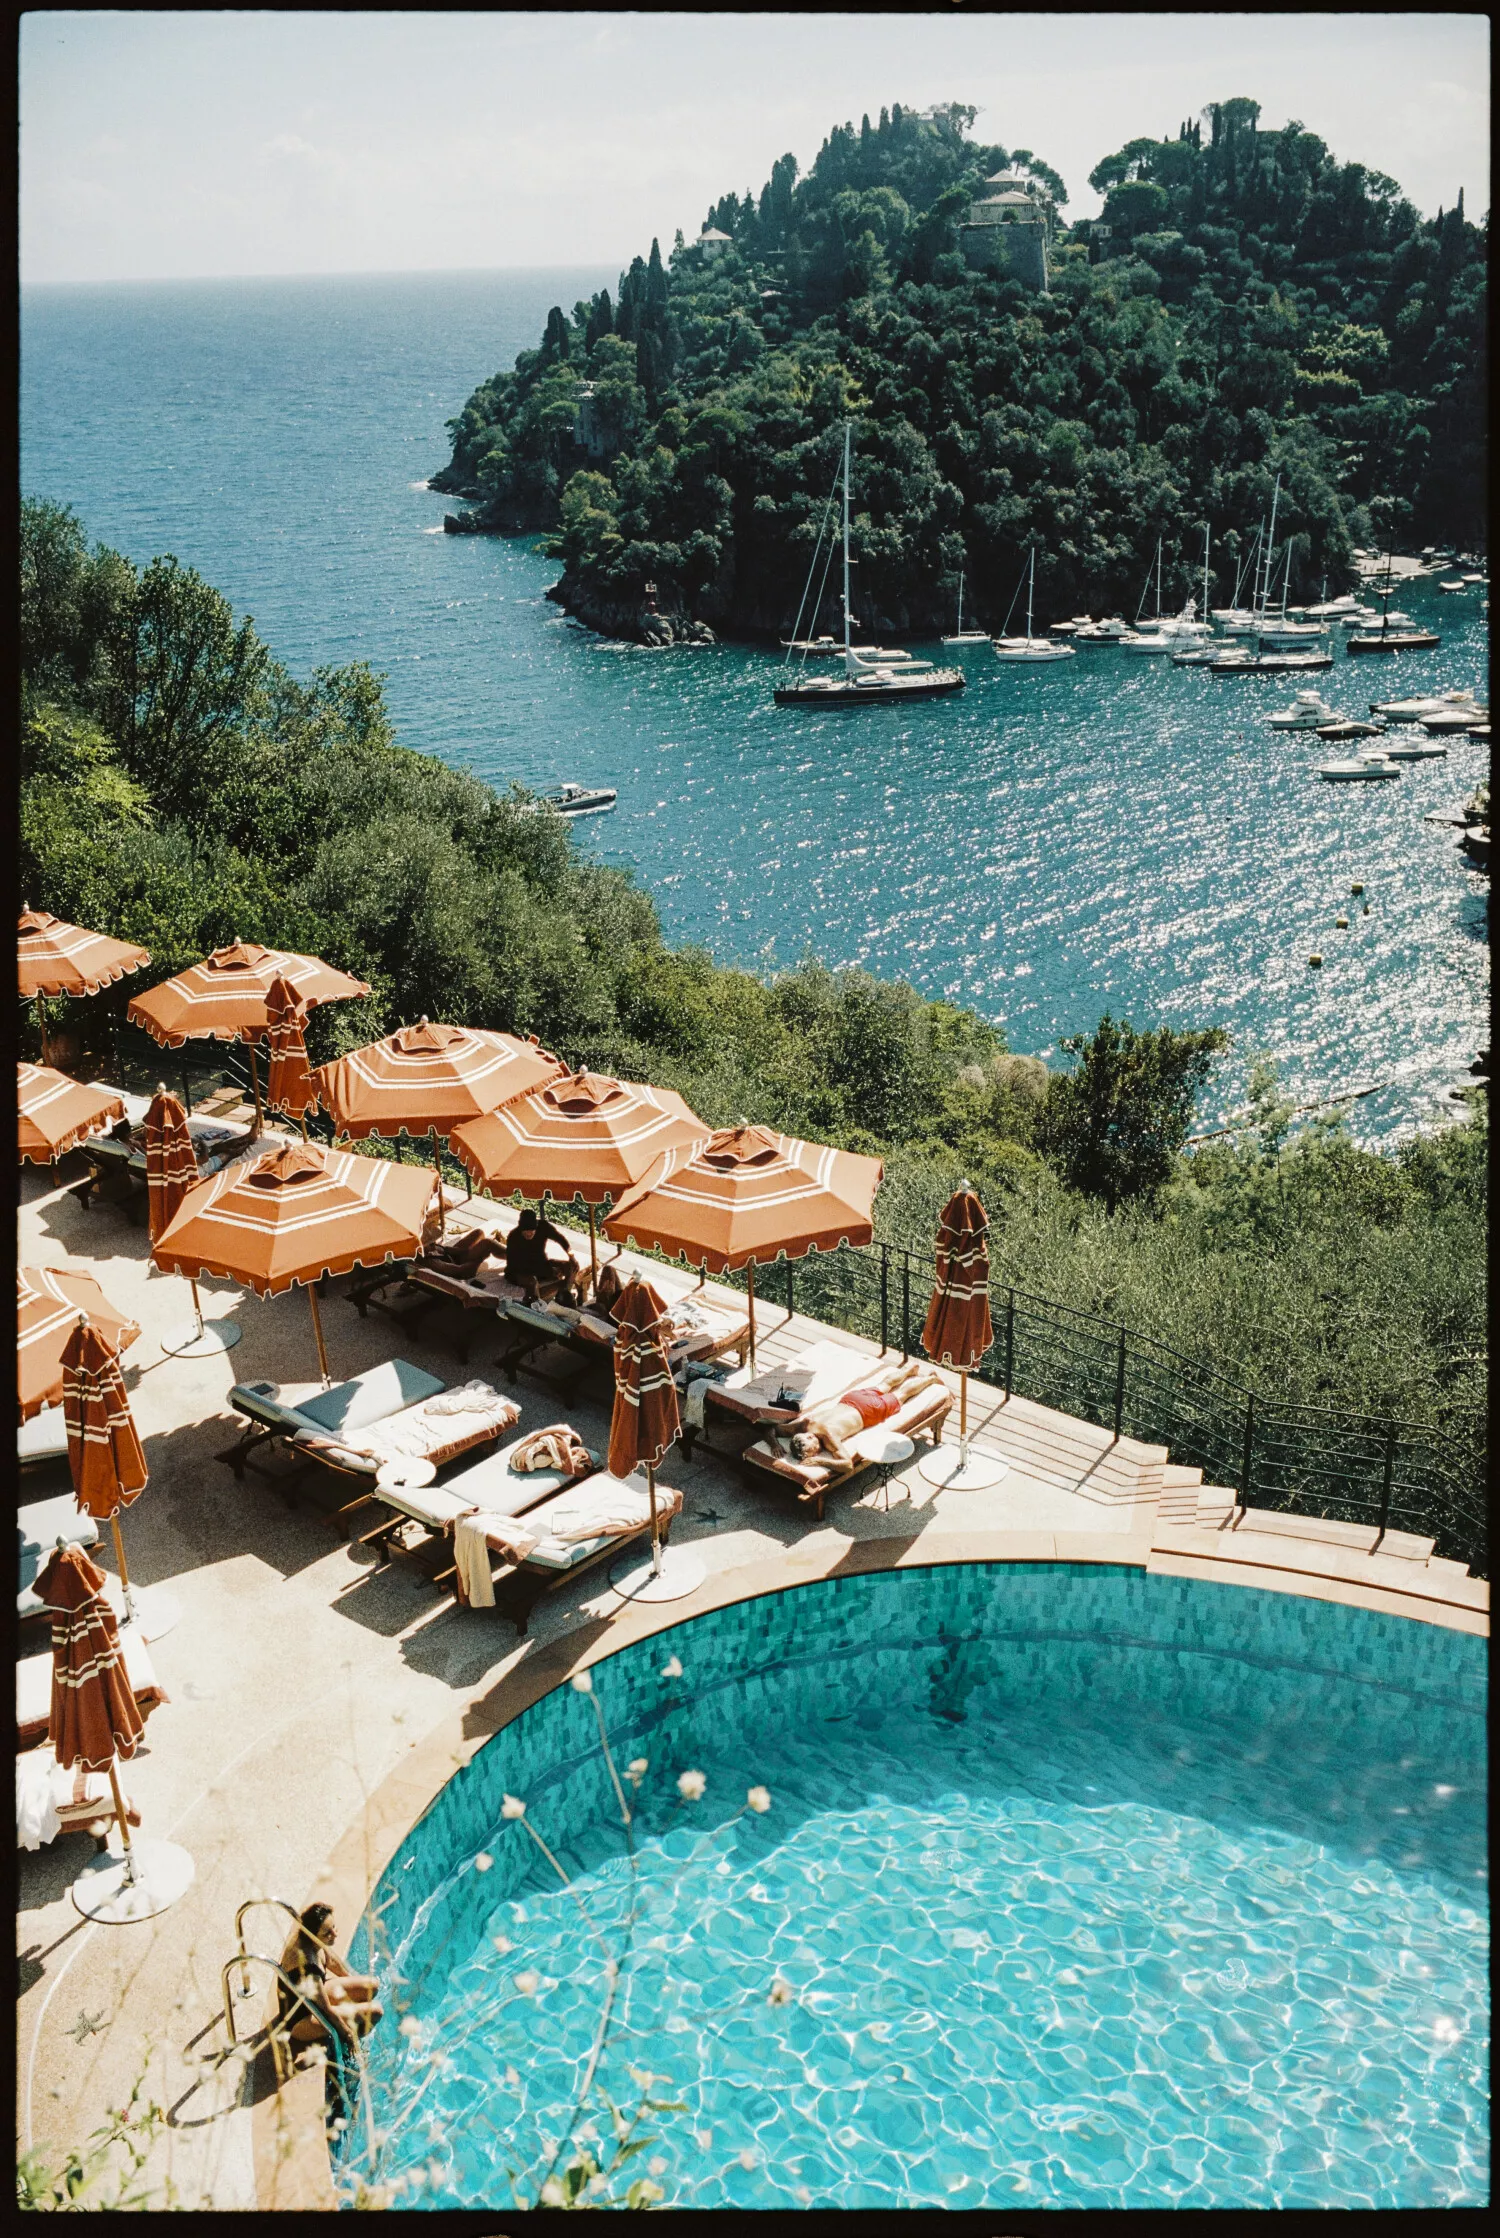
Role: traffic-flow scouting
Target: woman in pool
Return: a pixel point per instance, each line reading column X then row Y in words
column 340, row 1999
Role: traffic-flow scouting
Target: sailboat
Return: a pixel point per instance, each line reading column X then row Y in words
column 962, row 636
column 1386, row 639
column 869, row 678
column 1029, row 648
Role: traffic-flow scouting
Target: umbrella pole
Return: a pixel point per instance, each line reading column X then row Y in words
column 197, row 1303
column 312, row 1299
column 41, row 1027
column 260, row 1116
column 655, row 1542
column 131, row 1615
column 963, row 1417
column 593, row 1249
column 750, row 1294
column 124, row 1818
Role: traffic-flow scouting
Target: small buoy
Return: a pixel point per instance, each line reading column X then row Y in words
column 1356, row 889
column 1341, row 924
column 1366, row 910
column 1315, row 959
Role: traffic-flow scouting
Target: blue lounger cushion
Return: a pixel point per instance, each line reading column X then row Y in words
column 370, row 1397
column 40, row 1526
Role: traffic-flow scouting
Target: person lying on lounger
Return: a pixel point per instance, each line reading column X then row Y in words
column 827, row 1428
column 466, row 1254
column 340, row 1999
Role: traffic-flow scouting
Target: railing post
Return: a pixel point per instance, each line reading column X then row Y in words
column 1120, row 1385
column 791, row 1297
column 905, row 1304
column 1010, row 1339
column 885, row 1296
column 1385, row 1489
column 1248, row 1452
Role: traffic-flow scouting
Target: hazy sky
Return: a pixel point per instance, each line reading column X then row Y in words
column 178, row 145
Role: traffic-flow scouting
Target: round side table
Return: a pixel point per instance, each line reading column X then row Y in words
column 391, row 1475
column 885, row 1450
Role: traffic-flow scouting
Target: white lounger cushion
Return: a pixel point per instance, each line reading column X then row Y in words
column 824, row 1371
column 928, row 1399
column 43, row 1438
column 437, row 1428
column 42, row 1524
column 491, row 1484
column 601, row 1507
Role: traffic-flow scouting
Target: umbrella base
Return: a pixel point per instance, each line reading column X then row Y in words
column 952, row 1469
column 681, row 1574
column 193, row 1343
column 152, row 1610
column 118, row 1890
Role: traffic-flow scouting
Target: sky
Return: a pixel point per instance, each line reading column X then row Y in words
column 202, row 144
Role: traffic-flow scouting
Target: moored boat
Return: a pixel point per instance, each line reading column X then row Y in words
column 1308, row 711
column 1029, row 648
column 579, row 800
column 1367, row 769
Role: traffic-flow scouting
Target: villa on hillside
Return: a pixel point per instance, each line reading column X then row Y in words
column 1007, row 229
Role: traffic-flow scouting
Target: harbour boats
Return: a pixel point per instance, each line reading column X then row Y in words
column 1114, row 631
column 1029, row 648
column 1150, row 641
column 1236, row 663
column 825, row 645
column 1474, row 581
column 1389, row 639
column 1343, row 732
column 579, row 800
column 1309, row 710
column 1201, row 655
column 1289, row 637
column 1453, row 719
column 1439, row 703
column 1481, row 731
column 868, row 679
column 1359, row 617
column 1416, row 750
column 1366, row 769
column 962, row 636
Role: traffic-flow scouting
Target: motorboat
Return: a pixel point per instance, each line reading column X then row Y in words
column 825, row 645
column 1114, row 631
column 962, row 636
column 1308, row 711
column 1202, row 655
column 1453, row 720
column 1367, row 769
column 579, row 800
column 1416, row 750
column 1474, row 581
column 1359, row 617
column 1150, row 641
column 1440, row 703
column 874, row 678
column 1030, row 648
column 1458, row 584
column 1236, row 662
column 1343, row 732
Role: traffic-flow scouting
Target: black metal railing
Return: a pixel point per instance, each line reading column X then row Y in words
column 1338, row 1463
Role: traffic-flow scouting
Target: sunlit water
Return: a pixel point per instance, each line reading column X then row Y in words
column 1077, row 1888
column 1106, row 832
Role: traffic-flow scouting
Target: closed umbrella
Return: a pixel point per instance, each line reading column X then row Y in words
column 583, row 1135
column 643, row 1424
column 429, row 1078
column 106, row 1459
column 744, row 1196
column 299, row 1213
column 225, row 998
column 59, row 959
column 289, row 1087
column 171, row 1171
column 57, row 1114
column 957, row 1332
column 94, row 1720
column 49, row 1304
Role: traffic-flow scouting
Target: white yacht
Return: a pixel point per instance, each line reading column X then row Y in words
column 1308, row 711
column 1150, row 641
column 1367, row 769
column 1030, row 648
column 1442, row 703
column 1417, row 750
column 579, row 800
column 1114, row 631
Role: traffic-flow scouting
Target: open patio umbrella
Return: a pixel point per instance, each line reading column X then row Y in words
column 94, row 1720
column 59, row 959
column 57, row 1114
column 225, row 998
column 744, row 1196
column 644, row 1423
column 583, row 1135
column 106, row 1460
column 49, row 1302
column 298, row 1213
column 171, row 1171
column 427, row 1079
column 957, row 1332
column 289, row 1086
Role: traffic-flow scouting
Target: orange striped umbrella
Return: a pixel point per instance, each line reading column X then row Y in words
column 645, row 1419
column 957, row 1330
column 746, row 1195
column 289, row 1087
column 49, row 1301
column 584, row 1135
column 57, row 1114
column 171, row 1162
column 297, row 1214
column 427, row 1079
column 59, row 959
column 225, row 997
column 93, row 1716
column 104, row 1451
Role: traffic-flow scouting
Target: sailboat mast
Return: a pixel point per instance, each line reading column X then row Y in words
column 846, row 545
column 1205, row 571
column 1265, row 598
column 960, row 602
column 1030, row 589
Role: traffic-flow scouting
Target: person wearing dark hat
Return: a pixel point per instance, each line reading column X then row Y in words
column 526, row 1260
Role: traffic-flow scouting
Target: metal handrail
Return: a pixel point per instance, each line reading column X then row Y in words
column 277, row 2027
column 254, row 1903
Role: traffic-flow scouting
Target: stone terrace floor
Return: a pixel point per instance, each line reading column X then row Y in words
column 305, row 1681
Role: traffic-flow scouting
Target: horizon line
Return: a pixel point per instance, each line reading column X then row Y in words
column 346, row 272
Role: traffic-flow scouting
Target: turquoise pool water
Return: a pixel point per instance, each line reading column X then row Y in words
column 1078, row 1888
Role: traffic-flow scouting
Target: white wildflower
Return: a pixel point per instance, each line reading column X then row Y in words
column 781, row 1992
column 636, row 1769
column 528, row 1984
column 483, row 1861
column 658, row 2166
column 759, row 1799
column 411, row 2026
column 582, row 1683
column 502, row 1943
column 553, row 2194
column 671, row 1668
column 746, row 2158
column 690, row 1785
column 512, row 1807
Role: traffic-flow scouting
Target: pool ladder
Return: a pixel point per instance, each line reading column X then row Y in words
column 244, row 1959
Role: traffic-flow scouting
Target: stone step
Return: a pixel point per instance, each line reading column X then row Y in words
column 1450, row 1568
column 1216, row 1504
column 1252, row 1548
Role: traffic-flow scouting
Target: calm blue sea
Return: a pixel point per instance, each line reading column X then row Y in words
column 1106, row 833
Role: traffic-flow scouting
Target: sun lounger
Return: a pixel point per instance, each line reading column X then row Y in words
column 589, row 1522
column 50, row 1801
column 435, row 1430
column 702, row 1330
column 43, row 1440
column 922, row 1415
column 41, row 1525
column 117, row 1167
column 492, row 1484
column 34, row 1686
column 481, row 1300
column 355, row 1405
column 824, row 1371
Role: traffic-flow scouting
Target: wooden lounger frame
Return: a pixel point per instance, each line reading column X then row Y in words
column 816, row 1479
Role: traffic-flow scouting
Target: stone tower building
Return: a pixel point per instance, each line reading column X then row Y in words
column 1008, row 227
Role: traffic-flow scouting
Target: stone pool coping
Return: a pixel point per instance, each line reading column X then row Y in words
column 291, row 2162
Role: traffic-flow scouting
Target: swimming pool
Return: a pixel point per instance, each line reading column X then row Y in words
column 1078, row 1887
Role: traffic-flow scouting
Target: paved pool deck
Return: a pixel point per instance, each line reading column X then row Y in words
column 318, row 1701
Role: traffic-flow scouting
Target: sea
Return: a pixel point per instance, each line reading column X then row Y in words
column 1103, row 833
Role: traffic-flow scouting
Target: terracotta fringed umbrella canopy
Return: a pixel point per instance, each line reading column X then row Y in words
column 957, row 1330
column 744, row 1196
column 583, row 1135
column 104, row 1449
column 226, row 997
column 296, row 1214
column 428, row 1079
column 57, row 1114
column 49, row 1303
column 289, row 1087
column 58, row 959
column 645, row 1419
